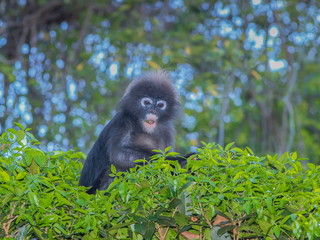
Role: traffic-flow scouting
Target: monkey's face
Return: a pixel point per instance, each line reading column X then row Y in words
column 152, row 102
column 153, row 110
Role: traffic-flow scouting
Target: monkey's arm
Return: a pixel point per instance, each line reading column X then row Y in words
column 123, row 157
column 97, row 162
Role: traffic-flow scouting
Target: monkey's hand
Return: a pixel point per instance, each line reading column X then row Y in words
column 182, row 159
column 193, row 154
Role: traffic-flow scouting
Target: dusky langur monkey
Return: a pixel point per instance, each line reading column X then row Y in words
column 144, row 122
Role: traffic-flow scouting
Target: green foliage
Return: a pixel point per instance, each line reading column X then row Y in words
column 228, row 193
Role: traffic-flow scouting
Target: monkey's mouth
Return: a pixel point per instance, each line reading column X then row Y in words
column 150, row 122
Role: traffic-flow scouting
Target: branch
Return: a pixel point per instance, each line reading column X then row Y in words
column 224, row 108
column 83, row 32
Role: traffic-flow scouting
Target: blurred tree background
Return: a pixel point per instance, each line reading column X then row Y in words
column 247, row 71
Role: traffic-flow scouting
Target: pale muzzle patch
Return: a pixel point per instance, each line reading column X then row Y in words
column 150, row 123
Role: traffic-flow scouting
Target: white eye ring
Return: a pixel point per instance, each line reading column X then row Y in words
column 146, row 102
column 161, row 104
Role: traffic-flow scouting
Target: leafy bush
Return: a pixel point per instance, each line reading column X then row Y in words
column 226, row 194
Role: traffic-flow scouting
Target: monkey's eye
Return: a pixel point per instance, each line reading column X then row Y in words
column 162, row 104
column 146, row 102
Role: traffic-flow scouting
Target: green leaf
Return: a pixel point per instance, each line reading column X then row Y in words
column 50, row 219
column 174, row 203
column 57, row 154
column 140, row 228
column 33, row 198
column 294, row 156
column 34, row 168
column 4, row 176
column 29, row 156
column 276, row 231
column 19, row 125
column 166, row 221
column 311, row 166
column 181, row 219
column 237, row 150
column 225, row 229
column 113, row 169
column 215, row 236
column 265, row 226
column 40, row 158
column 58, row 228
column 150, row 230
column 123, row 225
column 293, row 216
column 62, row 200
column 28, row 218
column 6, row 198
column 185, row 204
column 144, row 184
column 172, row 154
column 38, row 232
column 48, row 200
column 250, row 151
column 21, row 175
column 270, row 205
column 229, row 146
column 167, row 149
column 20, row 135
column 247, row 207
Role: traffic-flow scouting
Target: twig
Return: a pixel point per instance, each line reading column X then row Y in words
column 11, row 218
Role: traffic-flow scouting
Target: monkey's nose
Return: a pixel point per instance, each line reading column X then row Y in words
column 153, row 111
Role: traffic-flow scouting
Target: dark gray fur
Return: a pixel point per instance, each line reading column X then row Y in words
column 123, row 139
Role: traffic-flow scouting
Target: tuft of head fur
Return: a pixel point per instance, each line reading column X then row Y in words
column 158, row 77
